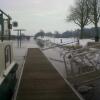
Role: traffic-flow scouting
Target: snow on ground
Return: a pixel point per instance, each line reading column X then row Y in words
column 60, row 40
column 54, row 54
column 83, row 42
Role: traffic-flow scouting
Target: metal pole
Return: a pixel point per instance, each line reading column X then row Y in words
column 20, row 38
column 9, row 29
column 2, row 27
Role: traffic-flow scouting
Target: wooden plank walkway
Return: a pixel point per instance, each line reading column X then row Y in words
column 40, row 80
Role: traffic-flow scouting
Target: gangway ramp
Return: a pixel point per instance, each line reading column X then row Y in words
column 40, row 80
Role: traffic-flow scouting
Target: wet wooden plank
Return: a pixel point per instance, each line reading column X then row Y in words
column 40, row 80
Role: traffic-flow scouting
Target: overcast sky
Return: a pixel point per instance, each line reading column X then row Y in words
column 34, row 15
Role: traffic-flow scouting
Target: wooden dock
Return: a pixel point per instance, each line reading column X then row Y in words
column 40, row 80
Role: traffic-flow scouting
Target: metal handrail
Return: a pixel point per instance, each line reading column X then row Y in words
column 73, row 53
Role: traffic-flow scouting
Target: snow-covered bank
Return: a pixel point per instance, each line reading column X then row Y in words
column 84, row 42
column 73, row 41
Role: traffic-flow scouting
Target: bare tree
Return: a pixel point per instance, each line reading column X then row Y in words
column 80, row 14
column 95, row 16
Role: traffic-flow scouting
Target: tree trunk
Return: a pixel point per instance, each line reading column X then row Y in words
column 96, row 33
column 96, row 21
column 81, row 34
